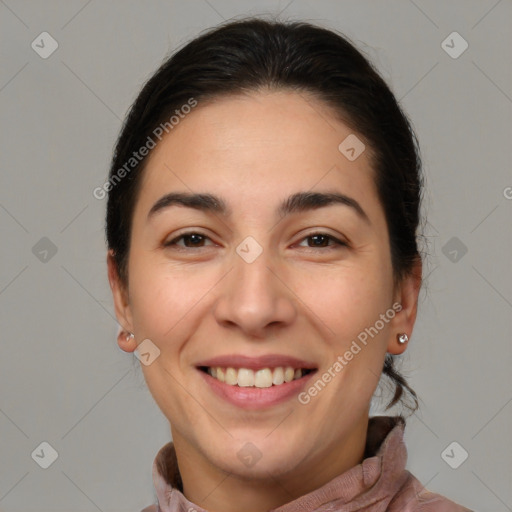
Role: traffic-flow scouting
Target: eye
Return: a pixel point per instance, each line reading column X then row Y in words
column 321, row 239
column 194, row 239
column 191, row 239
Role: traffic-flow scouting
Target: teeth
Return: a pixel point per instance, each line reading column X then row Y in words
column 231, row 376
column 289, row 373
column 264, row 378
column 278, row 376
column 245, row 378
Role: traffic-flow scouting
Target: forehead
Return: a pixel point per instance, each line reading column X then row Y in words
column 254, row 148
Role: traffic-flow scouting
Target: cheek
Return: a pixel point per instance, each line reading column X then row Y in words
column 350, row 305
column 165, row 298
column 153, row 304
column 346, row 299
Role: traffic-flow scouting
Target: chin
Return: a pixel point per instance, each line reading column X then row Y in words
column 262, row 458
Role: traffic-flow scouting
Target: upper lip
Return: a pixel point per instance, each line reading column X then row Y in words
column 256, row 363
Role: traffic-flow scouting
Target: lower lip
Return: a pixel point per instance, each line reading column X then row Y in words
column 252, row 398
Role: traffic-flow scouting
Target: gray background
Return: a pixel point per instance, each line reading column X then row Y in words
column 63, row 378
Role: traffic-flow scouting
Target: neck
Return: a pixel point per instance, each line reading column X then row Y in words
column 218, row 491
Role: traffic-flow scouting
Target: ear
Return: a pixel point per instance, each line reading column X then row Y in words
column 407, row 296
column 121, row 305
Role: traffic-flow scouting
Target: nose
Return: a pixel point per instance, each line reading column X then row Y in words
column 255, row 298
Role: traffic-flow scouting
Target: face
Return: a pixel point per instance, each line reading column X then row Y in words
column 259, row 287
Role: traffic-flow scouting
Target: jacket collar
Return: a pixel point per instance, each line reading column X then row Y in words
column 374, row 481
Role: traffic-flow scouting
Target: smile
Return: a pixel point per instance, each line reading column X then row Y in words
column 259, row 378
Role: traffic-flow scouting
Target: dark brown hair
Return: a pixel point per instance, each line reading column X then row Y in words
column 255, row 54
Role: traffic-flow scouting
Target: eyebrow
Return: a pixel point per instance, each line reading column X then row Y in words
column 298, row 202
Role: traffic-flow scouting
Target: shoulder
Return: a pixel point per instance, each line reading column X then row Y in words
column 151, row 508
column 414, row 497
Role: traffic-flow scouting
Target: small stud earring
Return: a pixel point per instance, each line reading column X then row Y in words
column 129, row 336
column 402, row 338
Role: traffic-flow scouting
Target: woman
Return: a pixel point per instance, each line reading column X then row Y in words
column 264, row 200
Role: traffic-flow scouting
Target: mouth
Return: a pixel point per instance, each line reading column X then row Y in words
column 256, row 378
column 256, row 383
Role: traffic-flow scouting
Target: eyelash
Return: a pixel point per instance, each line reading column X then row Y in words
column 339, row 243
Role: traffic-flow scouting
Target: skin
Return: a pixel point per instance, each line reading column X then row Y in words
column 297, row 298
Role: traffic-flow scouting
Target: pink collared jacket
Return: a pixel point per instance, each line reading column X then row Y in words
column 380, row 483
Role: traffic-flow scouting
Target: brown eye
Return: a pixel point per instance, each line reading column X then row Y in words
column 190, row 239
column 321, row 240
